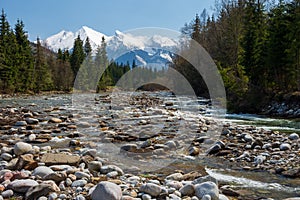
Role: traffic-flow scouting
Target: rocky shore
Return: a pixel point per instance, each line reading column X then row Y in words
column 47, row 154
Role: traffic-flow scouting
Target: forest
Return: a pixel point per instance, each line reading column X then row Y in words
column 254, row 43
column 256, row 47
column 29, row 67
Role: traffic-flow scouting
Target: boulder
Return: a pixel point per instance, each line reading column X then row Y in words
column 107, row 191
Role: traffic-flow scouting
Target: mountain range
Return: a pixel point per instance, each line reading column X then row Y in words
column 154, row 50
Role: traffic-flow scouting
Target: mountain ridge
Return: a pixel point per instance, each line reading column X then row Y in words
column 121, row 47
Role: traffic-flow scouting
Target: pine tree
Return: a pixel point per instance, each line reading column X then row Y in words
column 77, row 56
column 42, row 76
column 7, row 53
column 254, row 42
column 87, row 47
column 25, row 61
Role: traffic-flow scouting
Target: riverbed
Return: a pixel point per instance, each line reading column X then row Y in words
column 133, row 116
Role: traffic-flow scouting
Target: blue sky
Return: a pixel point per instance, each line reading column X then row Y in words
column 46, row 17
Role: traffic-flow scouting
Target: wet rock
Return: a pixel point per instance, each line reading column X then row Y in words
column 151, row 188
column 285, row 147
column 222, row 197
column 207, row 188
column 79, row 183
column 107, row 191
column 60, row 159
column 294, row 136
column 248, row 138
column 42, row 171
column 21, row 185
column 218, row 146
column 22, row 148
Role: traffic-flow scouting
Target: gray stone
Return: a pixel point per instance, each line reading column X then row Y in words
column 109, row 168
column 187, row 190
column 79, row 183
column 294, row 136
column 248, row 138
column 174, row 197
column 37, row 191
column 21, row 185
column 7, row 193
column 107, row 191
column 80, row 197
column 80, row 175
column 6, row 156
column 175, row 177
column 94, row 166
column 146, row 197
column 205, row 179
column 21, row 123
column 222, row 197
column 206, row 197
column 151, row 188
column 285, row 146
column 207, row 188
column 30, row 120
column 52, row 196
column 42, row 171
column 22, row 148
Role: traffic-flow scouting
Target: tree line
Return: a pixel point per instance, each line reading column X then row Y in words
column 256, row 47
column 27, row 67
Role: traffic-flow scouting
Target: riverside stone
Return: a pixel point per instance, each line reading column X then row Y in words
column 285, row 146
column 294, row 136
column 22, row 186
column 107, row 191
column 187, row 190
column 79, row 183
column 37, row 191
column 55, row 120
column 109, row 168
column 94, row 166
column 7, row 193
column 42, row 171
column 22, row 148
column 207, row 188
column 60, row 159
column 151, row 188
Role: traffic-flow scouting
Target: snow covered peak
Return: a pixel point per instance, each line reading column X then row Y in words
column 146, row 47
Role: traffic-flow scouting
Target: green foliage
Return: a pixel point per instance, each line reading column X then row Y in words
column 77, row 56
column 256, row 50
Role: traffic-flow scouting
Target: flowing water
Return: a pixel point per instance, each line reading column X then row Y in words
column 258, row 184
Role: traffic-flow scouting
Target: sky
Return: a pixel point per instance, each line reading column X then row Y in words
column 43, row 18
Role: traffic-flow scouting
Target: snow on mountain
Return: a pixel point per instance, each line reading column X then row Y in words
column 122, row 47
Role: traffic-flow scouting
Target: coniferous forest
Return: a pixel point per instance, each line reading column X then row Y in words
column 27, row 67
column 256, row 47
column 254, row 43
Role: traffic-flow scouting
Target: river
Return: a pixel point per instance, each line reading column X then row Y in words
column 258, row 183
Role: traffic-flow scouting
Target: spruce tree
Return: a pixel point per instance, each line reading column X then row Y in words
column 25, row 61
column 87, row 47
column 77, row 56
